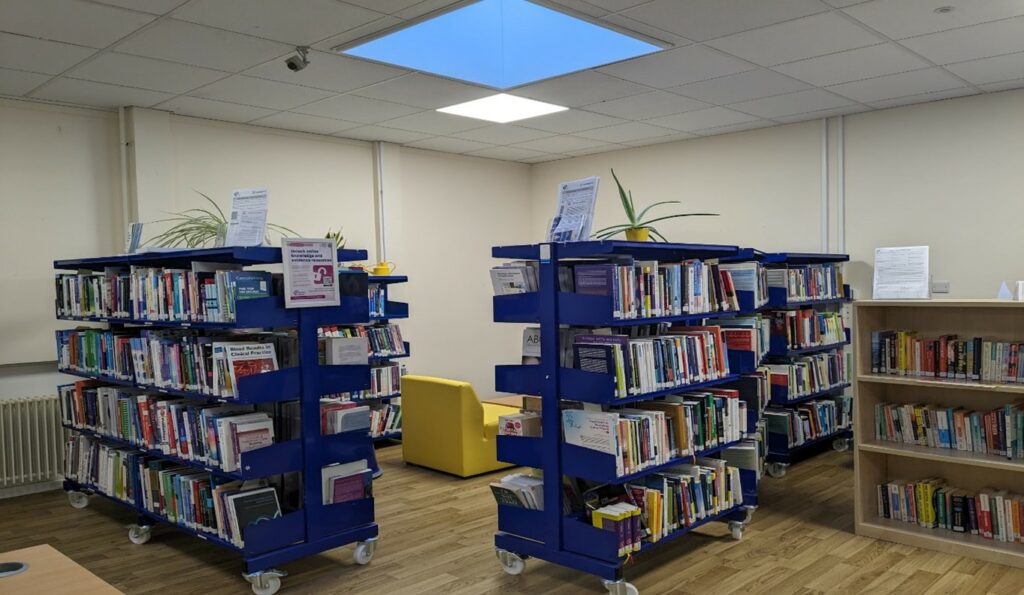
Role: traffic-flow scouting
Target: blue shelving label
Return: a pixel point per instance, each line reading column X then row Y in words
column 545, row 252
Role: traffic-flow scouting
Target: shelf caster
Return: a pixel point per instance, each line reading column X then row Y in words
column 78, row 500
column 776, row 470
column 139, row 534
column 364, row 551
column 620, row 587
column 750, row 515
column 841, row 444
column 512, row 563
column 736, row 528
column 266, row 582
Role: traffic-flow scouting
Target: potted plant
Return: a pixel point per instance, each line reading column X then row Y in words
column 199, row 228
column 636, row 228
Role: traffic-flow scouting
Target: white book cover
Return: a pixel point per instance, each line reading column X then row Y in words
column 508, row 280
column 596, row 430
column 346, row 351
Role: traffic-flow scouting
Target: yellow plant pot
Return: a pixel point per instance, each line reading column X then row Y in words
column 637, row 234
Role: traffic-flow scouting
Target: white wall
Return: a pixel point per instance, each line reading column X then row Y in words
column 60, row 198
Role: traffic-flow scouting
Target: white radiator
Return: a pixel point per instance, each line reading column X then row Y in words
column 31, row 445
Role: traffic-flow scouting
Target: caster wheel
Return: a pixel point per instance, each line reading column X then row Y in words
column 512, row 563
column 139, row 534
column 267, row 585
column 78, row 500
column 776, row 470
column 736, row 528
column 364, row 552
column 750, row 515
column 840, row 444
column 620, row 588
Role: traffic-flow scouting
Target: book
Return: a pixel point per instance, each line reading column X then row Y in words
column 526, row 423
column 246, row 359
column 247, row 508
column 345, row 351
column 520, row 490
column 335, row 489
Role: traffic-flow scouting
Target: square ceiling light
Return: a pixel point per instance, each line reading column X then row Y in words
column 502, row 44
column 502, row 108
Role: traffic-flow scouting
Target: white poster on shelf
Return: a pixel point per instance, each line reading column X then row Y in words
column 247, row 224
column 310, row 272
column 901, row 273
column 575, row 212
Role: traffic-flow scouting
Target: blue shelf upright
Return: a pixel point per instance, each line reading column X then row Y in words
column 313, row 527
column 549, row 534
column 385, row 310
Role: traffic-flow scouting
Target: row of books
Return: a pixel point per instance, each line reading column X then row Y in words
column 809, row 282
column 810, row 373
column 806, row 327
column 201, row 294
column 653, row 433
column 337, row 416
column 383, row 340
column 215, row 435
column 668, row 501
column 931, row 503
column 904, row 353
column 811, row 420
column 385, row 419
column 378, row 299
column 999, row 431
column 521, row 490
column 683, row 355
column 385, row 382
column 747, row 333
column 186, row 360
column 180, row 494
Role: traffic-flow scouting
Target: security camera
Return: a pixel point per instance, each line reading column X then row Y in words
column 300, row 60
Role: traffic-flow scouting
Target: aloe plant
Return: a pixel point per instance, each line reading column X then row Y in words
column 197, row 228
column 636, row 220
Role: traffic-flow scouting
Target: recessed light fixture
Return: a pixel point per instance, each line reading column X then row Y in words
column 502, row 108
column 943, row 10
column 501, row 44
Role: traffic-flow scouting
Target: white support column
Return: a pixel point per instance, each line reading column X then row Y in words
column 824, row 186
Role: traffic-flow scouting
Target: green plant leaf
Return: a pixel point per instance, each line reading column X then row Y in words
column 627, row 200
column 214, row 203
column 656, row 234
column 618, row 227
column 647, row 223
column 640, row 216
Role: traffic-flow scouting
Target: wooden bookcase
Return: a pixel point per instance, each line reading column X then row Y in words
column 881, row 461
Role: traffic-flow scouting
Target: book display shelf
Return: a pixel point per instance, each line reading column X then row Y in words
column 391, row 310
column 570, row 539
column 311, row 527
column 781, row 453
column 970, row 472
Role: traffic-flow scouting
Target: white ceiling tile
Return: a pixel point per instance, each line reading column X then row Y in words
column 615, row 5
column 150, row 6
column 71, row 21
column 423, row 90
column 357, row 109
column 604, row 148
column 792, row 103
column 630, row 131
column 352, row 35
column 385, row 6
column 16, row 82
column 826, row 113
column 795, row 40
column 98, row 94
column 741, row 127
column 969, row 43
column 898, row 85
column 582, row 7
column 990, row 70
column 431, row 122
column 296, row 22
column 260, row 92
column 646, row 105
column 187, row 43
column 581, row 88
column 145, row 73
column 328, row 71
column 703, row 118
column 502, row 134
column 214, row 110
column 424, row 7
column 36, row 55
column 507, row 153
column 570, row 121
column 544, row 158
column 671, row 138
column 559, row 144
column 635, row 27
column 390, row 135
column 304, row 123
column 740, row 87
column 924, row 97
column 843, row 3
column 1003, row 86
column 907, row 18
column 677, row 67
column 449, row 145
column 852, row 65
column 701, row 20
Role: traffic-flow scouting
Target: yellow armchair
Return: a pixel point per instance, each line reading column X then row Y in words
column 445, row 427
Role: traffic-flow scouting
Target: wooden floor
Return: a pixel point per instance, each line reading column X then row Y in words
column 436, row 537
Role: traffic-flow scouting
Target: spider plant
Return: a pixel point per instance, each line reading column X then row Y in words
column 637, row 227
column 337, row 236
column 197, row 228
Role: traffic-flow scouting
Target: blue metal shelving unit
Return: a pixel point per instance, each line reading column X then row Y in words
column 393, row 310
column 780, row 454
column 548, row 534
column 315, row 527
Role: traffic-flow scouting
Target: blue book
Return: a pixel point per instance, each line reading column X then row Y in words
column 598, row 279
column 247, row 285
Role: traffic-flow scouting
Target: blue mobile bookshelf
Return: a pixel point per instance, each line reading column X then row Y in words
column 780, row 454
column 392, row 310
column 314, row 527
column 549, row 534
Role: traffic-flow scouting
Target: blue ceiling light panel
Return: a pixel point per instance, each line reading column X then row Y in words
column 502, row 44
